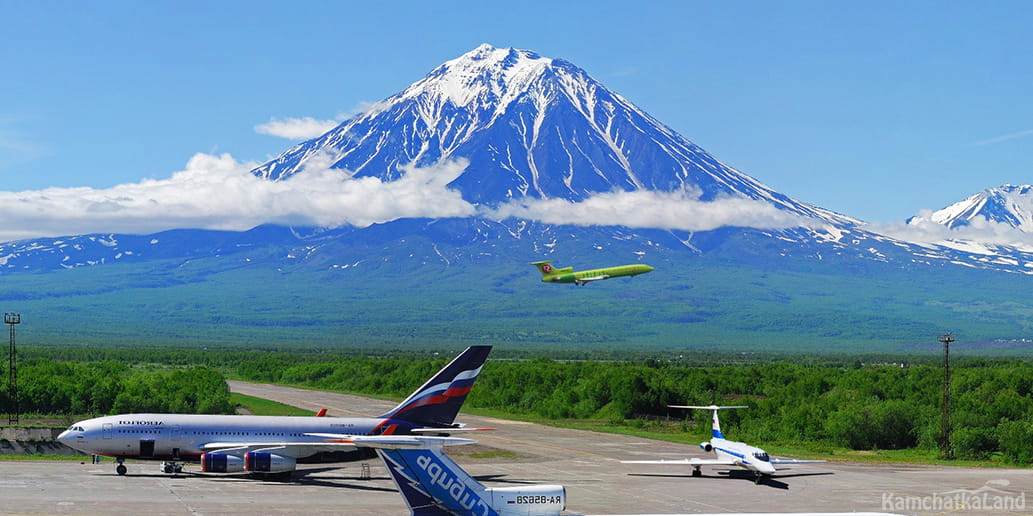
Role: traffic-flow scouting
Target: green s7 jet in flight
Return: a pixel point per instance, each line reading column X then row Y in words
column 551, row 274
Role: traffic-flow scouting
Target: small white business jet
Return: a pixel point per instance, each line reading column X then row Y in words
column 433, row 485
column 274, row 444
column 729, row 453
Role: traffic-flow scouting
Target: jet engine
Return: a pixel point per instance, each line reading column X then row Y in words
column 532, row 500
column 221, row 463
column 265, row 462
column 706, row 446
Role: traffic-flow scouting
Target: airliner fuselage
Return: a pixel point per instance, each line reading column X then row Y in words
column 187, row 436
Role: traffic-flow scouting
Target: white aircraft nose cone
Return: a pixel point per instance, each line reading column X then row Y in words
column 70, row 438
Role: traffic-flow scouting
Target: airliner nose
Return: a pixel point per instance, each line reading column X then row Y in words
column 65, row 438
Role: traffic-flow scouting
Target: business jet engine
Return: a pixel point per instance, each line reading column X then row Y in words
column 706, row 446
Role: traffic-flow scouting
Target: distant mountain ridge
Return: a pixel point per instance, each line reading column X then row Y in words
column 1011, row 205
column 534, row 128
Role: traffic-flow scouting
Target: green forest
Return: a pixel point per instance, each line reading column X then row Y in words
column 852, row 405
column 72, row 389
column 855, row 404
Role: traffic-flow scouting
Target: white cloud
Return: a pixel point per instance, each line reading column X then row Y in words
column 1006, row 137
column 923, row 230
column 645, row 208
column 218, row 192
column 296, row 128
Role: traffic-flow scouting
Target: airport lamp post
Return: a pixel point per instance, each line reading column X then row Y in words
column 12, row 319
column 945, row 416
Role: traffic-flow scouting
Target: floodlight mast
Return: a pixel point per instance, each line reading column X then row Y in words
column 945, row 416
column 11, row 319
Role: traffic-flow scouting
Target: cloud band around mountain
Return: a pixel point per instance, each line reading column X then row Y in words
column 653, row 209
column 218, row 192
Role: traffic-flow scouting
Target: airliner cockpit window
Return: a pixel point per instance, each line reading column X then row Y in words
column 762, row 457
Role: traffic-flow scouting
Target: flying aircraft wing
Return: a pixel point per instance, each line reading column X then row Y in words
column 594, row 278
column 684, row 462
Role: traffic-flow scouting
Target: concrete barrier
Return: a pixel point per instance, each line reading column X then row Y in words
column 28, row 440
column 30, row 433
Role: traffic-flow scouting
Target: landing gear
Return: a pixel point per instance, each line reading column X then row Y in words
column 759, row 479
column 120, row 468
column 696, row 472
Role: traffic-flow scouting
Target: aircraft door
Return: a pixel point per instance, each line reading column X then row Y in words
column 107, row 430
column 176, row 431
column 146, row 447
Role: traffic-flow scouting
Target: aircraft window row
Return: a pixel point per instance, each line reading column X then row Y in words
column 145, row 431
column 281, row 434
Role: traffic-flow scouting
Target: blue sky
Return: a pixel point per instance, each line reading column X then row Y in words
column 872, row 109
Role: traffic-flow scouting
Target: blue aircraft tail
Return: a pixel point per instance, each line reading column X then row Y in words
column 438, row 401
column 433, row 485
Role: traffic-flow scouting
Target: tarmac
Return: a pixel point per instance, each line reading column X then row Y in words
column 516, row 453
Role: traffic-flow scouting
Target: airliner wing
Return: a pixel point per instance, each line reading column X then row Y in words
column 793, row 461
column 684, row 462
column 395, row 441
column 287, row 449
column 448, row 430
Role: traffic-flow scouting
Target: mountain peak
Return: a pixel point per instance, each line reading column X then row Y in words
column 528, row 127
column 1008, row 204
column 483, row 76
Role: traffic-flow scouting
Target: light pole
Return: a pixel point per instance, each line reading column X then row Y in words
column 945, row 416
column 12, row 319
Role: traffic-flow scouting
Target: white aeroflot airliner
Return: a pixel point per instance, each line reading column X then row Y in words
column 273, row 444
column 433, row 485
column 729, row 453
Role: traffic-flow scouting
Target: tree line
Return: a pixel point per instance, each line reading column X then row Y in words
column 858, row 406
column 69, row 388
column 851, row 404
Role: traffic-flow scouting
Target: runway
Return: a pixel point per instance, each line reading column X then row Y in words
column 516, row 453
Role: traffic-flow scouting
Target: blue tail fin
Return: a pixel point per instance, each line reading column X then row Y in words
column 438, row 401
column 433, row 485
column 419, row 502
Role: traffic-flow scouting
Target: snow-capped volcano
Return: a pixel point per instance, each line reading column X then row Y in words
column 528, row 127
column 1010, row 205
